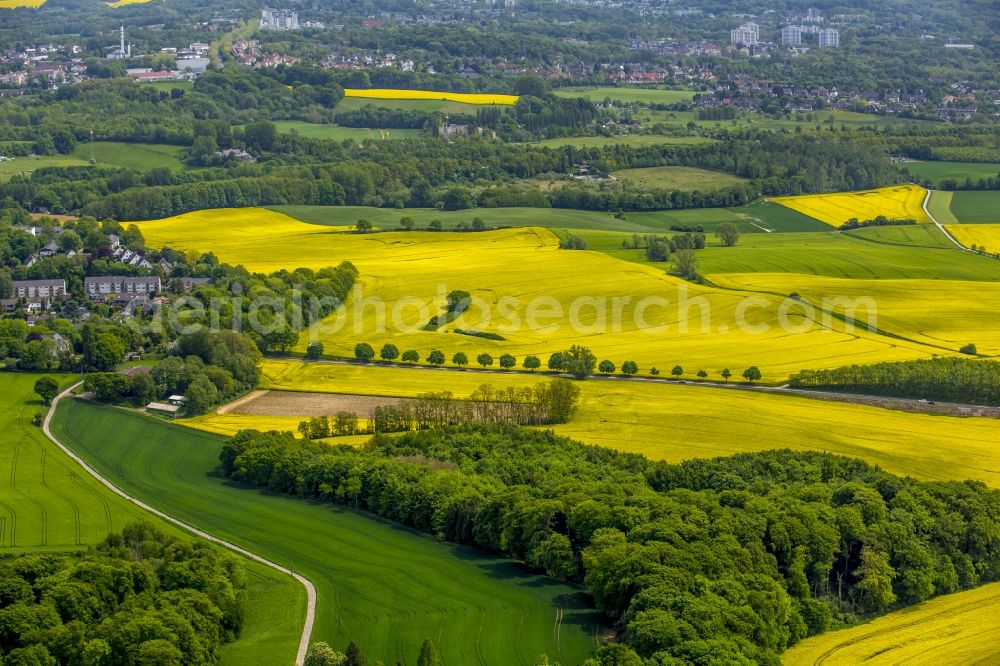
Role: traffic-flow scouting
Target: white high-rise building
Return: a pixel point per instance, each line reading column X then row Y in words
column 278, row 19
column 747, row 34
column 829, row 37
column 791, row 35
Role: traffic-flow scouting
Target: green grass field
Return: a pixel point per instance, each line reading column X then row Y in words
column 760, row 216
column 441, row 106
column 820, row 120
column 167, row 86
column 919, row 252
column 48, row 503
column 938, row 171
column 25, row 165
column 381, row 585
column 626, row 95
column 338, row 133
column 976, row 207
column 753, row 218
column 138, row 156
column 939, row 207
column 634, row 140
column 45, row 500
column 677, row 178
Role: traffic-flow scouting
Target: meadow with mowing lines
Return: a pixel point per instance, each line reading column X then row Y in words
column 634, row 140
column 47, row 502
column 138, row 156
column 668, row 421
column 981, row 235
column 551, row 298
column 897, row 202
column 381, row 585
column 478, row 99
column 950, row 630
column 338, row 133
column 959, row 171
column 626, row 95
column 676, row 178
column 946, row 314
column 976, row 207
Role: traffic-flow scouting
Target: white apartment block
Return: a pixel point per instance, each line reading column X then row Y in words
column 114, row 287
column 791, row 35
column 747, row 34
column 39, row 289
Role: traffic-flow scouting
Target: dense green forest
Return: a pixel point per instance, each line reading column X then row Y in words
column 140, row 597
column 949, row 379
column 712, row 561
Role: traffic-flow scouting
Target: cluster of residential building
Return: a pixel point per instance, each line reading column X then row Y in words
column 747, row 35
column 52, row 66
column 749, row 93
column 249, row 53
column 37, row 296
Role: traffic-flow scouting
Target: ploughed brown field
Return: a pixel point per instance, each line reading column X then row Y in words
column 294, row 403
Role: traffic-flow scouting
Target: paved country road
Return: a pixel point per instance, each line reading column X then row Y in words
column 310, row 589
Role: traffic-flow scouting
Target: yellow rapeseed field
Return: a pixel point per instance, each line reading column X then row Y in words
column 898, row 202
column 947, row 314
column 981, row 235
column 463, row 98
column 230, row 424
column 123, row 3
column 678, row 422
column 14, row 4
column 951, row 630
column 528, row 291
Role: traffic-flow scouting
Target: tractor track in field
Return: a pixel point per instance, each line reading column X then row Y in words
column 948, row 611
column 309, row 587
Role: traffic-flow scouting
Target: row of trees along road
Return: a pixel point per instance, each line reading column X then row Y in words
column 578, row 361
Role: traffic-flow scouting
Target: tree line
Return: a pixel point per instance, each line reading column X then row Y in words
column 734, row 558
column 139, row 597
column 547, row 404
column 425, row 173
column 955, row 379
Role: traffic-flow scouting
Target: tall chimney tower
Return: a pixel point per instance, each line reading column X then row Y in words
column 122, row 33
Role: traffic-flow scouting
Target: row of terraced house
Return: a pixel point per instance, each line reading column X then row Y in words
column 38, row 295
